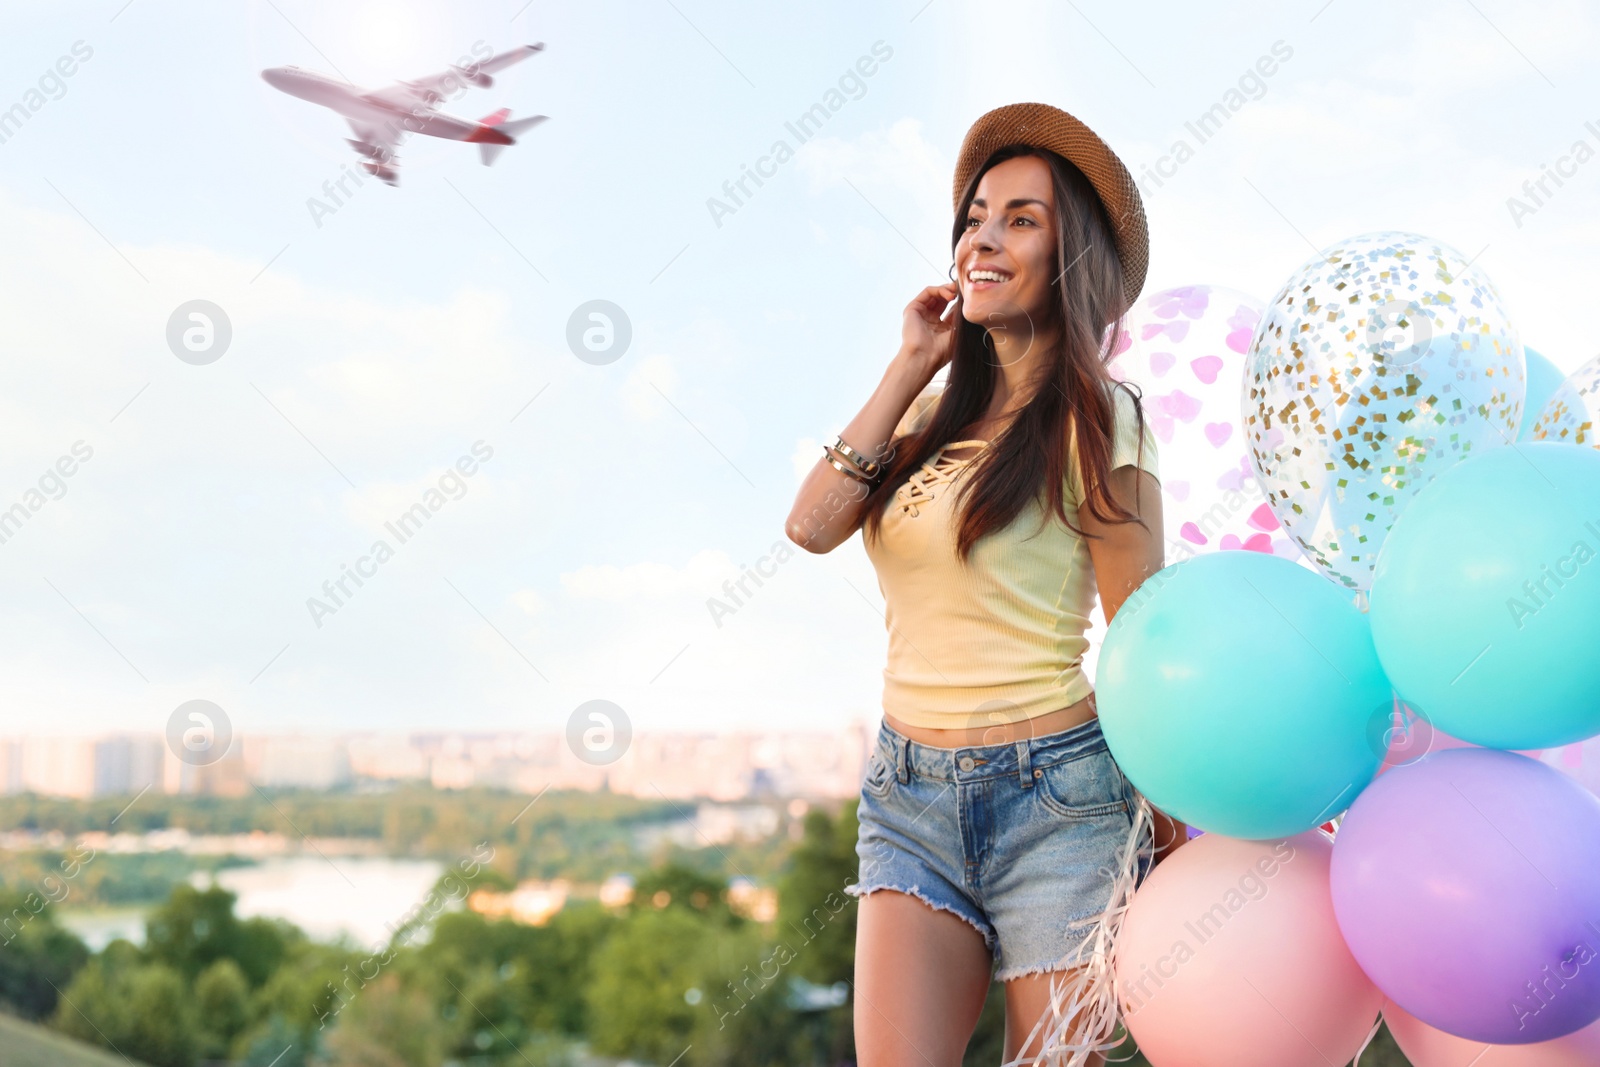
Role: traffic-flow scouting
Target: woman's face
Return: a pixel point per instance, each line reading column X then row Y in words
column 1005, row 257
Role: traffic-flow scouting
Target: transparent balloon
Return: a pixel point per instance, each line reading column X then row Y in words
column 1379, row 364
column 1572, row 414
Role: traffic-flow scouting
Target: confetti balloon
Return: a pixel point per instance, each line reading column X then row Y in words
column 1544, row 378
column 1185, row 350
column 1572, row 413
column 1379, row 364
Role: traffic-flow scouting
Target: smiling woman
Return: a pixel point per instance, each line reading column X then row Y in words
column 999, row 840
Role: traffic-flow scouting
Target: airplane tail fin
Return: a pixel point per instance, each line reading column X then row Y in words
column 510, row 127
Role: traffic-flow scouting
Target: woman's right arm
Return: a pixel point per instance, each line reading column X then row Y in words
column 828, row 509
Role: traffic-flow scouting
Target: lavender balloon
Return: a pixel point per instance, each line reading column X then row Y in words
column 1467, row 885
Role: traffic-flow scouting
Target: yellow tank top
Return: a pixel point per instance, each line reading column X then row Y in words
column 1001, row 638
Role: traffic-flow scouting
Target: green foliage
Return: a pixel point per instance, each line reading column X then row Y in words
column 37, row 957
column 569, row 833
column 813, row 908
column 143, row 1012
column 676, row 885
column 539, row 973
column 676, row 972
column 387, row 1026
column 279, row 1043
column 222, row 1001
column 197, row 927
column 742, row 1017
column 637, row 1005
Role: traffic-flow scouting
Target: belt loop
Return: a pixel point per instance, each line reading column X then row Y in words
column 1024, row 764
column 902, row 759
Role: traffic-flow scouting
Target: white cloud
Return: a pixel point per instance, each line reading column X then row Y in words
column 806, row 452
column 702, row 573
column 646, row 382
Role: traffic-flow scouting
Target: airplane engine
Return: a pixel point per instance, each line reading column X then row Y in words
column 371, row 151
column 475, row 76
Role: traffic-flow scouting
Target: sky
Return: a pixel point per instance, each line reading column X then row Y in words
column 381, row 338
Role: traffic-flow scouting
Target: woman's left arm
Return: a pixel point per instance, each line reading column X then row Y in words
column 1124, row 555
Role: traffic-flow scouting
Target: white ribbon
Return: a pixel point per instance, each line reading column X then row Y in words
column 1082, row 1018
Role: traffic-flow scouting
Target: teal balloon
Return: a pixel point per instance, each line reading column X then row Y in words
column 1486, row 598
column 1544, row 378
column 1241, row 693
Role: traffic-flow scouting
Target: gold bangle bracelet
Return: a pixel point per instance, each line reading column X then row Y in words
column 868, row 467
column 849, row 472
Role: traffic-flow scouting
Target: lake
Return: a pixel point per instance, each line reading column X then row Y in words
column 358, row 897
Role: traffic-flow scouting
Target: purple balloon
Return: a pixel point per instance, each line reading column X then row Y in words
column 1467, row 885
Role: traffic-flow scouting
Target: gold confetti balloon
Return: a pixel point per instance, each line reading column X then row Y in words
column 1572, row 413
column 1380, row 363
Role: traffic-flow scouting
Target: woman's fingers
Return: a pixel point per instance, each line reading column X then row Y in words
column 932, row 300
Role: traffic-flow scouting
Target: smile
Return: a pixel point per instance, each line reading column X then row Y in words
column 986, row 277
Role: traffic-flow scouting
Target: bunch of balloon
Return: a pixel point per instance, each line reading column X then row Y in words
column 1237, row 691
column 1255, row 697
column 1465, row 881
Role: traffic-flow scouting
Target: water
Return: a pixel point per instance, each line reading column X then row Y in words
column 354, row 897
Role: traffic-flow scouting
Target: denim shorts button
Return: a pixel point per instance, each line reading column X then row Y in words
column 967, row 764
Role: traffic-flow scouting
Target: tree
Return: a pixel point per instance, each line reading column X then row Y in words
column 642, row 973
column 143, row 1012
column 387, row 1026
column 39, row 958
column 196, row 927
column 674, row 885
column 816, row 917
column 222, row 1003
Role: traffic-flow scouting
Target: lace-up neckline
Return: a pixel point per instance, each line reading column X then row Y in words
column 937, row 470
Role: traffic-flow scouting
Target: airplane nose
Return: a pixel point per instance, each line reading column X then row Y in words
column 275, row 76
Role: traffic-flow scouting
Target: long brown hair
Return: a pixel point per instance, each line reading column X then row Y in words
column 1073, row 386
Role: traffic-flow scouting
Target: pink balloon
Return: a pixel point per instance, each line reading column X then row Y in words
column 1230, row 956
column 1186, row 349
column 1425, row 1046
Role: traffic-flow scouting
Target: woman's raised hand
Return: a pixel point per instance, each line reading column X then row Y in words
column 927, row 335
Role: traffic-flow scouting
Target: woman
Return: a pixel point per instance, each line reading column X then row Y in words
column 998, row 837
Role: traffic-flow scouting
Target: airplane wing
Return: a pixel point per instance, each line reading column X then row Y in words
column 432, row 88
column 378, row 143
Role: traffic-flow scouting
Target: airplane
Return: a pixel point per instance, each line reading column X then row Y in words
column 382, row 118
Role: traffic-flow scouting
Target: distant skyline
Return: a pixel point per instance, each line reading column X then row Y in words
column 183, row 522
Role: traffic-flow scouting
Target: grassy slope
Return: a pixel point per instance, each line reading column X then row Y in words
column 27, row 1045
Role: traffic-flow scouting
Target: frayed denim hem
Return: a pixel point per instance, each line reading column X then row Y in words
column 1006, row 974
column 989, row 939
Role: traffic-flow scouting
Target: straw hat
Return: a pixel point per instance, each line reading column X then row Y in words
column 1043, row 126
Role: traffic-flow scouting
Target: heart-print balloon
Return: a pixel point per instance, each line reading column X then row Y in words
column 1185, row 348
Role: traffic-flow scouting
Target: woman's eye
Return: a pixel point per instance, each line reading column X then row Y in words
column 971, row 219
column 1024, row 218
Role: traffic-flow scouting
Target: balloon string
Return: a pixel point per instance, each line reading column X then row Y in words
column 1376, row 1023
column 1083, row 1014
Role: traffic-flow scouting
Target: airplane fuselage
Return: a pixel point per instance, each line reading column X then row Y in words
column 351, row 102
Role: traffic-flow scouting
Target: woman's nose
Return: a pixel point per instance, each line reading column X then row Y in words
column 985, row 240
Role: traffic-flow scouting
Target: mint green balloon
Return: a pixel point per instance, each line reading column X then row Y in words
column 1486, row 598
column 1544, row 378
column 1241, row 693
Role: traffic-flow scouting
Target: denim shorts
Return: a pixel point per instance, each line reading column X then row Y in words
column 1021, row 839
